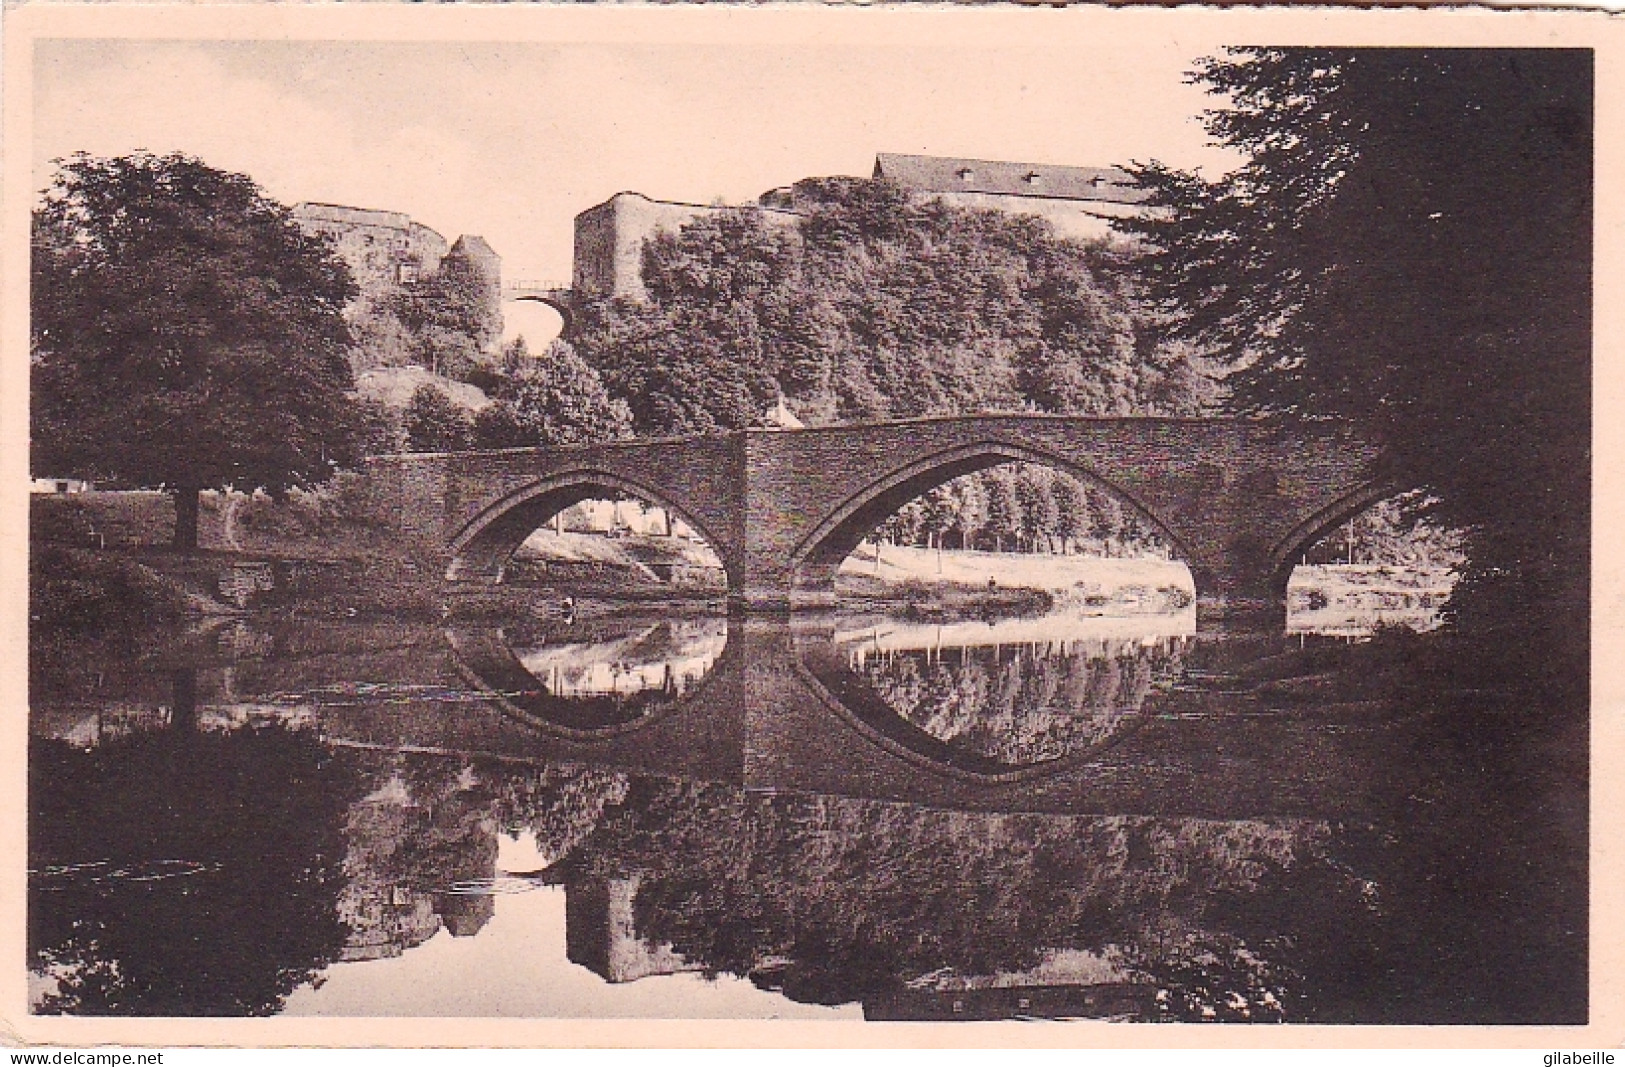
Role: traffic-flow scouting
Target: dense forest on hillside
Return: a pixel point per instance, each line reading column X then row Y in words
column 880, row 306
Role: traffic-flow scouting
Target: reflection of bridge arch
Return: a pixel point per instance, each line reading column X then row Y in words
column 758, row 720
column 818, row 666
column 784, row 672
column 486, row 661
column 488, row 541
column 848, row 523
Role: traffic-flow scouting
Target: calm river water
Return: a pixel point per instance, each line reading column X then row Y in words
column 833, row 817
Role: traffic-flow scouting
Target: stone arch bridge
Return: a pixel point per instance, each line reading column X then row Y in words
column 1237, row 500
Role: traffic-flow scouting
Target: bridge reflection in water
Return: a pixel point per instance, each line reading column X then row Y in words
column 966, row 820
column 1098, row 716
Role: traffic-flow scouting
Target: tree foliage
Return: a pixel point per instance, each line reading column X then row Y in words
column 834, row 900
column 556, row 399
column 1407, row 249
column 212, row 894
column 701, row 354
column 184, row 332
column 877, row 306
column 434, row 423
column 449, row 317
column 1031, row 508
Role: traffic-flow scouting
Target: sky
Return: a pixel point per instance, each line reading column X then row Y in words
column 511, row 140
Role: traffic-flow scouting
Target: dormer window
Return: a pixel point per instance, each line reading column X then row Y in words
column 965, row 174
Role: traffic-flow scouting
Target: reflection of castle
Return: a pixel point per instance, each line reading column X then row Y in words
column 601, row 935
column 1106, row 1000
column 405, row 856
column 1065, row 983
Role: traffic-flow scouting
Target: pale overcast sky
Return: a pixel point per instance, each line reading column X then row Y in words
column 510, row 141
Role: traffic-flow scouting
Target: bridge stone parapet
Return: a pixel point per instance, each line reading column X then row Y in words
column 558, row 295
column 1236, row 500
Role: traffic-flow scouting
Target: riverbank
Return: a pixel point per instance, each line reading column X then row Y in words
column 915, row 600
column 315, row 555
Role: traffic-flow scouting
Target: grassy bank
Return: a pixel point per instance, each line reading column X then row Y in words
column 914, row 599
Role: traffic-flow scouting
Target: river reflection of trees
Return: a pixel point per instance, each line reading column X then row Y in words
column 201, row 861
column 184, row 872
column 1023, row 703
column 834, row 901
column 664, row 658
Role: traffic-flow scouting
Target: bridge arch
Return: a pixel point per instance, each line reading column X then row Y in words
column 818, row 555
column 818, row 669
column 561, row 301
column 1286, row 551
column 485, row 544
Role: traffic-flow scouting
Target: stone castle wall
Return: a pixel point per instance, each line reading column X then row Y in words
column 383, row 249
column 387, row 253
column 1078, row 219
column 609, row 239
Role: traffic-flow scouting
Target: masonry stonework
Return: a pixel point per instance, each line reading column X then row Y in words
column 1236, row 500
column 387, row 253
column 383, row 249
column 609, row 239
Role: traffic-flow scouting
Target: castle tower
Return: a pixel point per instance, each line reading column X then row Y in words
column 471, row 254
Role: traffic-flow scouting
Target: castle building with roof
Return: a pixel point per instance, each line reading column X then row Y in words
column 1079, row 202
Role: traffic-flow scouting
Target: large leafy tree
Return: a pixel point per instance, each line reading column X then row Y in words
column 1406, row 249
column 184, row 333
column 700, row 356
